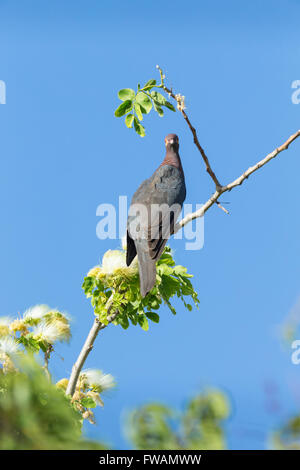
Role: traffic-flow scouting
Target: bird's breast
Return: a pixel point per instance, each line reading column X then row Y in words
column 169, row 181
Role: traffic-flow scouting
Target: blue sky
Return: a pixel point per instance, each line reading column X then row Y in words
column 63, row 153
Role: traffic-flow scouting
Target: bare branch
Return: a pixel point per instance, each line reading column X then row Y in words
column 87, row 347
column 261, row 163
column 181, row 107
column 219, row 188
column 237, row 182
column 221, row 207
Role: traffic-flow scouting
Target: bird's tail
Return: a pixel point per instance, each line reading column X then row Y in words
column 147, row 268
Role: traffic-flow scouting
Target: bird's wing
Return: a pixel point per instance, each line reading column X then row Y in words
column 160, row 230
column 149, row 229
column 130, row 250
column 156, row 223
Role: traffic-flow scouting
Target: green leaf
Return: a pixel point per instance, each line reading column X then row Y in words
column 170, row 307
column 170, row 106
column 158, row 98
column 164, row 269
column 123, row 108
column 138, row 127
column 158, row 109
column 166, row 257
column 88, row 402
column 153, row 316
column 154, row 303
column 144, row 101
column 180, row 270
column 187, row 287
column 30, row 343
column 138, row 111
column 126, row 94
column 151, row 83
column 88, row 285
column 143, row 322
column 43, row 345
column 123, row 321
column 133, row 318
column 129, row 120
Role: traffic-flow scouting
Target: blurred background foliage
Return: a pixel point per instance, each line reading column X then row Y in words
column 199, row 426
column 35, row 414
column 288, row 437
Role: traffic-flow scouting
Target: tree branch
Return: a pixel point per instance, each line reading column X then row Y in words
column 219, row 188
column 46, row 361
column 87, row 347
column 181, row 107
column 237, row 182
column 262, row 162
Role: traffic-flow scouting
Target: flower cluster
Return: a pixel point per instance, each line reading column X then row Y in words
column 180, row 102
column 113, row 266
column 114, row 287
column 37, row 329
column 90, row 385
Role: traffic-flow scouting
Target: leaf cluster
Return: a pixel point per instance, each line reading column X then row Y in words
column 135, row 104
column 120, row 291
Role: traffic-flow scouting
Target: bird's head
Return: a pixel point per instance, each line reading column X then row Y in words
column 172, row 142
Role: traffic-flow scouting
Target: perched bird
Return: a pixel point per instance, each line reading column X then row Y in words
column 153, row 212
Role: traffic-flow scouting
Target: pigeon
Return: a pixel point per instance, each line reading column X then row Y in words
column 153, row 212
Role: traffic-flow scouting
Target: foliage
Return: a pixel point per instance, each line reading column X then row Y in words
column 135, row 104
column 34, row 414
column 288, row 437
column 37, row 331
column 158, row 427
column 90, row 385
column 114, row 286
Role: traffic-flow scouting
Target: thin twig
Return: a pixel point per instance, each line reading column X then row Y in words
column 221, row 207
column 180, row 106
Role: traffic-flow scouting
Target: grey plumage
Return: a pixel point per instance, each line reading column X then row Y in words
column 154, row 209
